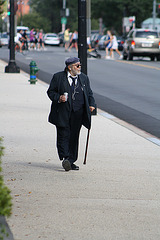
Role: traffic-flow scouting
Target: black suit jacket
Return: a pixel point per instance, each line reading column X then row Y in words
column 60, row 112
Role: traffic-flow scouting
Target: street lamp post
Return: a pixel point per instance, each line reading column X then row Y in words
column 82, row 39
column 88, row 17
column 12, row 67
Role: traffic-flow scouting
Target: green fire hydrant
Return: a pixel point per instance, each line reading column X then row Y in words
column 33, row 70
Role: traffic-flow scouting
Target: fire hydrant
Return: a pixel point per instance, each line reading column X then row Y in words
column 33, row 70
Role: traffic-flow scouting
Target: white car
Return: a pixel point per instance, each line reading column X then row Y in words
column 3, row 39
column 51, row 39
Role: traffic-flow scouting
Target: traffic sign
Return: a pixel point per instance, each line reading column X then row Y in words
column 63, row 20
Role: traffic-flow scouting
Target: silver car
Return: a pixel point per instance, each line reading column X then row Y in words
column 51, row 39
column 101, row 43
column 142, row 42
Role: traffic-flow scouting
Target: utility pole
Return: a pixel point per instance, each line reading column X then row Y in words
column 64, row 10
column 12, row 67
column 82, row 39
column 21, row 7
column 88, row 18
column 154, row 13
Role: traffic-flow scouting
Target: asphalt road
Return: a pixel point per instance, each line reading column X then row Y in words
column 127, row 89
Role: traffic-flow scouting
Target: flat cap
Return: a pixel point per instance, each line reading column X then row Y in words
column 71, row 60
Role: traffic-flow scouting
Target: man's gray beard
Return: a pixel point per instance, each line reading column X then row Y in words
column 79, row 73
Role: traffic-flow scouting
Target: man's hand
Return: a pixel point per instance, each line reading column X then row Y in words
column 92, row 108
column 62, row 98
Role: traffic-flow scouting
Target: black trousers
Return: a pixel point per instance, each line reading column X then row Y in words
column 68, row 137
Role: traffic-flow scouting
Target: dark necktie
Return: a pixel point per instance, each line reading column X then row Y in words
column 73, row 83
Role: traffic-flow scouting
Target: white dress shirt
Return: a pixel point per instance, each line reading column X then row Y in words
column 70, row 79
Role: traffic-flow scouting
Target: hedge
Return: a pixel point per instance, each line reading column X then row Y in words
column 5, row 197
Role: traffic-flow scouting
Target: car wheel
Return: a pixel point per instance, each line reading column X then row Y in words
column 152, row 58
column 130, row 56
column 158, row 58
column 124, row 57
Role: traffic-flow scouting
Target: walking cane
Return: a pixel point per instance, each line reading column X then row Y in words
column 85, row 157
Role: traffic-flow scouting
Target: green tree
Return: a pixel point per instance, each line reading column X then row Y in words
column 36, row 21
column 113, row 11
column 49, row 9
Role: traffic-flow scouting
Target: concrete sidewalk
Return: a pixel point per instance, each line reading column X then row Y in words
column 116, row 196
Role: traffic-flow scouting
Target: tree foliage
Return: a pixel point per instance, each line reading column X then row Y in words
column 49, row 9
column 111, row 11
column 36, row 21
column 1, row 6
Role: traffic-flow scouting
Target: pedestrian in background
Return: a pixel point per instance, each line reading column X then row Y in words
column 40, row 40
column 66, row 38
column 18, row 39
column 89, row 42
column 32, row 40
column 25, row 39
column 114, row 47
column 108, row 43
column 74, row 41
column 69, row 113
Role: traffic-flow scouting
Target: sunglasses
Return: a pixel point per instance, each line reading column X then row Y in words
column 78, row 65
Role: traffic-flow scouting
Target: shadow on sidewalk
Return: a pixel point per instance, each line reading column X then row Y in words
column 49, row 166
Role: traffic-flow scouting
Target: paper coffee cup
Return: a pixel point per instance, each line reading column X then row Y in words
column 66, row 95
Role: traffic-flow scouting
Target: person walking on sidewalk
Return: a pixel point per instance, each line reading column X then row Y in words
column 69, row 113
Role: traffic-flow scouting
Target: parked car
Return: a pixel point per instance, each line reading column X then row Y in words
column 61, row 37
column 101, row 43
column 51, row 39
column 142, row 42
column 4, row 39
column 22, row 28
column 120, row 41
column 95, row 39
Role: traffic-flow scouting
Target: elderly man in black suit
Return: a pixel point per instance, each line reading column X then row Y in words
column 72, row 104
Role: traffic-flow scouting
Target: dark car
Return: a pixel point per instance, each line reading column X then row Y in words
column 142, row 42
column 95, row 39
column 61, row 38
column 120, row 41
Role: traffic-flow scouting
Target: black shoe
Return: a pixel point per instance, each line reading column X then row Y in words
column 66, row 165
column 74, row 167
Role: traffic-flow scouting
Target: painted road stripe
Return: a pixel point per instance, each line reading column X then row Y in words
column 107, row 115
column 140, row 65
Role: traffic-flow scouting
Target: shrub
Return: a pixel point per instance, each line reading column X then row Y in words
column 5, row 197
